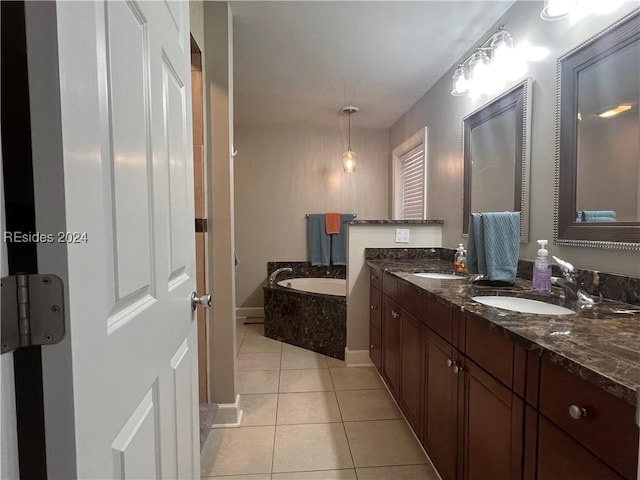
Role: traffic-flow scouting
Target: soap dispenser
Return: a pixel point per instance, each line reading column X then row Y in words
column 542, row 269
column 460, row 259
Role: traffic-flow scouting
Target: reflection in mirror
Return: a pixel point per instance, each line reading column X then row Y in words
column 598, row 155
column 496, row 157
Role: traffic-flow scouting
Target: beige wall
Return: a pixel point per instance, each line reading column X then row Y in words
column 442, row 114
column 282, row 173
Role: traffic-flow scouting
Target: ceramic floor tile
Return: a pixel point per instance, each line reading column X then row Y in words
column 356, row 378
column 383, row 443
column 305, row 381
column 336, row 363
column 260, row 381
column 258, row 344
column 255, row 329
column 356, row 405
column 404, row 472
column 259, row 409
column 317, row 475
column 258, row 361
column 241, row 332
column 308, row 407
column 311, row 447
column 297, row 358
column 236, row 451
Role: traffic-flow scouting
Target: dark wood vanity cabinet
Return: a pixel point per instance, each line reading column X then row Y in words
column 464, row 386
column 375, row 325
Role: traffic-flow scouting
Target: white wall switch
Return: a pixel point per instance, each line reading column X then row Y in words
column 402, row 235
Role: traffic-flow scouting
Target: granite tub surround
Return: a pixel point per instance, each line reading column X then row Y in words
column 436, row 253
column 600, row 345
column 306, row 270
column 309, row 320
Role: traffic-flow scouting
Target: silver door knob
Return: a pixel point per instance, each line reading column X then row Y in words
column 204, row 300
column 577, row 412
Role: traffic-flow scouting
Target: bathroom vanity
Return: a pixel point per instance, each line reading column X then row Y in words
column 492, row 393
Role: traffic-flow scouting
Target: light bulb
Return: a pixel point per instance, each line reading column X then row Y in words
column 460, row 81
column 349, row 161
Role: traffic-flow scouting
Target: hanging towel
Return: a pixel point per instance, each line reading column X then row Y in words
column 598, row 216
column 339, row 241
column 475, row 246
column 332, row 222
column 501, row 244
column 318, row 240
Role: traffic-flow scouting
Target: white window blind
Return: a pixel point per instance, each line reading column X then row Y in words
column 412, row 184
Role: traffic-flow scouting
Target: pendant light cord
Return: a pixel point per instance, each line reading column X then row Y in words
column 349, row 146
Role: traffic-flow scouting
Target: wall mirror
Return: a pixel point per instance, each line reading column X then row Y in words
column 598, row 140
column 495, row 142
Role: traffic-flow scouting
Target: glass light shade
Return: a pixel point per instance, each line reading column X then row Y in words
column 501, row 46
column 460, row 81
column 479, row 71
column 555, row 9
column 349, row 161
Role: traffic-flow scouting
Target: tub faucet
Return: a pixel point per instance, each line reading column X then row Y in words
column 569, row 284
column 274, row 274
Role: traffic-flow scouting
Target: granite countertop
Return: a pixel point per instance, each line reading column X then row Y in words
column 598, row 344
column 395, row 222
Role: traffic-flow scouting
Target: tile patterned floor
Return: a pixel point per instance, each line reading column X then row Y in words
column 307, row 416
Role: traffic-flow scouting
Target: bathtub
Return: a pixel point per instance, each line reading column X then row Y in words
column 308, row 312
column 324, row 286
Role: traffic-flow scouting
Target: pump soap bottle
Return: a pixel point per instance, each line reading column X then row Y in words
column 460, row 259
column 542, row 270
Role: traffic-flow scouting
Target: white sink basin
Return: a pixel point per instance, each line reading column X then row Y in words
column 439, row 276
column 522, row 305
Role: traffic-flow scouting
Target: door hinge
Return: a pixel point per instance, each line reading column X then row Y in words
column 32, row 311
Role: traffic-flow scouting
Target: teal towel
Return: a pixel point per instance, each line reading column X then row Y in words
column 599, row 216
column 339, row 241
column 318, row 240
column 501, row 244
column 475, row 246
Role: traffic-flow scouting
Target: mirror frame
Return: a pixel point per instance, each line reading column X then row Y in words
column 622, row 235
column 518, row 97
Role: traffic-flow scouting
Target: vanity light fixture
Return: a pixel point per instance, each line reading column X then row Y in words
column 556, row 9
column 488, row 67
column 349, row 157
column 612, row 112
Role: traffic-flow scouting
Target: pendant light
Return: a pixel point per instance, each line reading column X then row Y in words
column 349, row 157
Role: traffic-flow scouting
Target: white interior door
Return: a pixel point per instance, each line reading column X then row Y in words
column 113, row 169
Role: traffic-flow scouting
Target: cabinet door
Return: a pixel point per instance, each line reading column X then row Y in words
column 390, row 344
column 560, row 457
column 375, row 328
column 440, row 394
column 410, row 385
column 493, row 419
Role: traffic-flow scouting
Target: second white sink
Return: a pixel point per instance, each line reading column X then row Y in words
column 439, row 276
column 522, row 305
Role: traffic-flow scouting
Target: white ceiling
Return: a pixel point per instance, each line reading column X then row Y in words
column 300, row 62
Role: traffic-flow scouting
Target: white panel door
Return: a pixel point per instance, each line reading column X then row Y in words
column 120, row 391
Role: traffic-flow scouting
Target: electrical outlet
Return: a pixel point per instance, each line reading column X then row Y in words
column 402, row 235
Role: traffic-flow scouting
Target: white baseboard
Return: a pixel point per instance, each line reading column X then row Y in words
column 228, row 415
column 357, row 358
column 253, row 312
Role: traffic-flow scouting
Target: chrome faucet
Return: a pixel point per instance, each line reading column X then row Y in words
column 274, row 274
column 569, row 284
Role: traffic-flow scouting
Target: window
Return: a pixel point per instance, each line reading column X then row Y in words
column 410, row 178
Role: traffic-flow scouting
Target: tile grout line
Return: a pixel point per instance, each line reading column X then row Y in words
column 275, row 421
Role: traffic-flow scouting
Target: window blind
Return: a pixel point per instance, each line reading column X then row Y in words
column 412, row 182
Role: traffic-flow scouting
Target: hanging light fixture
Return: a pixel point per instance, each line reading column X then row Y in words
column 349, row 157
column 460, row 81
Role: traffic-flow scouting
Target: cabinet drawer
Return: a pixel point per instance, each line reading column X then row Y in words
column 607, row 427
column 376, row 277
column 410, row 298
column 390, row 286
column 489, row 349
column 438, row 318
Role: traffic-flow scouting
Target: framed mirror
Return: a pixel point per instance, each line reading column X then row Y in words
column 598, row 140
column 495, row 141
